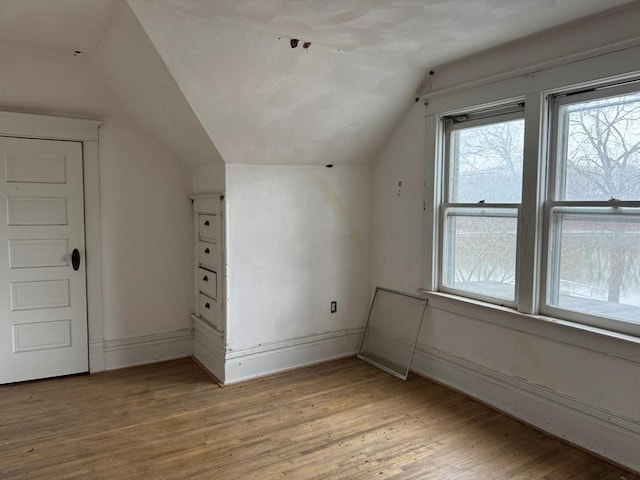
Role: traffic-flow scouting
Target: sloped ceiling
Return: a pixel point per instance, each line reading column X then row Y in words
column 263, row 102
column 55, row 25
column 420, row 32
column 219, row 78
column 132, row 67
column 112, row 43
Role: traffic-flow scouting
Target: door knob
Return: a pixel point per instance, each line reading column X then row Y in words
column 205, row 278
column 206, row 223
column 75, row 259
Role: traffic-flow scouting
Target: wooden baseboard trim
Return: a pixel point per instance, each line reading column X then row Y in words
column 614, row 438
column 254, row 362
column 154, row 348
column 209, row 374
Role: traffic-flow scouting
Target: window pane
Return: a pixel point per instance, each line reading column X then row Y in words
column 601, row 157
column 595, row 264
column 486, row 163
column 480, row 255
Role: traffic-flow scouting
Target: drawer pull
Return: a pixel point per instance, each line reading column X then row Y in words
column 206, row 250
column 205, row 279
column 206, row 223
column 206, row 305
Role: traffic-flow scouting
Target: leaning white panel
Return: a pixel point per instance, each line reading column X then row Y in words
column 43, row 252
column 43, row 294
column 29, row 337
column 35, row 168
column 37, row 211
column 392, row 331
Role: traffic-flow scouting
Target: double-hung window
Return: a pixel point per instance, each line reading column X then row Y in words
column 481, row 201
column 592, row 212
column 585, row 241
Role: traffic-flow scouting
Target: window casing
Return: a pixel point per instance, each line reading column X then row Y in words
column 586, row 244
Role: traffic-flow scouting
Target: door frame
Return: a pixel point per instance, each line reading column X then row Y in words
column 26, row 125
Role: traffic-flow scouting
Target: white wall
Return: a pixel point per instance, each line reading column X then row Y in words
column 398, row 192
column 147, row 234
column 298, row 238
column 145, row 210
column 209, row 178
column 578, row 383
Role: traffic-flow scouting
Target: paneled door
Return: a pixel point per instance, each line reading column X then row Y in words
column 43, row 301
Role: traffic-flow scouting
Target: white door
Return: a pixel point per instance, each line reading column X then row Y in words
column 43, row 302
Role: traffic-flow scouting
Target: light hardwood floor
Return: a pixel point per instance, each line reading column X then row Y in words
column 339, row 420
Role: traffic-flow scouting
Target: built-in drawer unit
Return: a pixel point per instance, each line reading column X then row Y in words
column 209, row 310
column 208, row 283
column 209, row 269
column 209, row 255
column 209, row 228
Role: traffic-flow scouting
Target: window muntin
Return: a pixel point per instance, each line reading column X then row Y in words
column 480, row 210
column 593, row 209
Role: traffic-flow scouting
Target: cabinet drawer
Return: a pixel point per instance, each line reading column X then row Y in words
column 209, row 228
column 208, row 283
column 209, row 256
column 210, row 311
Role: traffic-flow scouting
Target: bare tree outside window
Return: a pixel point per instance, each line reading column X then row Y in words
column 603, row 149
column 487, row 164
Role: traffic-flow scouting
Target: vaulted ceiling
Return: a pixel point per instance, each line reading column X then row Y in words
column 219, row 80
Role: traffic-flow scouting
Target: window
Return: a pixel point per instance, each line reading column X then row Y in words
column 484, row 153
column 579, row 255
column 593, row 207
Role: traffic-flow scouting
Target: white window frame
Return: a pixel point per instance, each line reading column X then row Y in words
column 504, row 113
column 553, row 204
column 614, row 67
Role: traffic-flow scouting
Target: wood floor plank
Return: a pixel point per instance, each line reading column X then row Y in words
column 342, row 419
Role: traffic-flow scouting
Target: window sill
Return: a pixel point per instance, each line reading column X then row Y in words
column 584, row 336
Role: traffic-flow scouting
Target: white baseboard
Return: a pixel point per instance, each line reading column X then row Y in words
column 209, row 348
column 600, row 431
column 96, row 355
column 279, row 356
column 127, row 352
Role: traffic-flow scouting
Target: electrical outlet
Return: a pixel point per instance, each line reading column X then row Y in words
column 334, row 306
